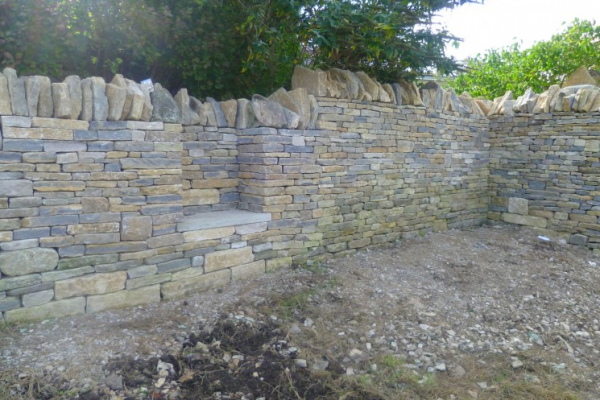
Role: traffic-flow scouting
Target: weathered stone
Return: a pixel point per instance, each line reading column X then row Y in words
column 199, row 109
column 221, row 121
column 349, row 83
column 183, row 103
column 16, row 88
column 248, row 271
column 123, row 299
column 75, row 94
column 517, row 205
column 579, row 240
column 28, row 261
column 208, row 234
column 485, row 105
column 580, row 76
column 165, row 107
column 313, row 81
column 32, row 91
column 136, row 228
column 268, row 113
column 16, row 188
column 245, row 117
column 136, row 109
column 90, row 285
column 300, row 97
column 291, row 118
column 19, row 282
column 120, row 81
column 383, row 95
column 5, row 105
column 66, row 274
column 55, row 309
column 199, row 197
column 390, row 92
column 470, row 104
column 314, row 112
column 522, row 104
column 527, row 220
column 227, row 258
column 410, row 93
column 99, row 99
column 10, row 303
column 148, row 107
column 508, row 108
column 229, row 109
column 116, row 96
column 61, row 100
column 498, row 107
column 87, row 100
column 171, row 290
column 38, row 298
column 369, row 85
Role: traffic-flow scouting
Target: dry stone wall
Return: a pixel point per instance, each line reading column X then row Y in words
column 112, row 195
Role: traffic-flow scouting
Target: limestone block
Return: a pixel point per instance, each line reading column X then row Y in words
column 410, row 93
column 136, row 109
column 229, row 109
column 54, row 309
column 523, row 103
column 518, row 205
column 120, row 81
column 390, row 92
column 33, row 88
column 87, row 100
column 314, row 112
column 527, row 220
column 28, row 261
column 292, row 119
column 5, row 105
column 580, row 76
column 198, row 197
column 117, row 97
column 208, row 234
column 99, row 99
column 498, row 107
column 136, row 228
column 61, row 100
column 16, row 188
column 123, row 299
column 268, row 113
column 148, row 107
column 75, row 94
column 220, row 120
column 165, row 107
column 227, row 258
column 245, row 117
column 301, row 99
column 199, row 109
column 90, row 285
column 183, row 103
column 313, row 81
column 369, row 85
column 172, row 290
column 248, row 271
column 38, row 298
column 592, row 145
column 16, row 88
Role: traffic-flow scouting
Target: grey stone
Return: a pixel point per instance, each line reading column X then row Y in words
column 75, row 94
column 136, row 228
column 137, row 101
column 114, row 382
column 61, row 100
column 397, row 92
column 579, row 240
column 245, row 117
column 117, row 97
column 517, row 205
column 19, row 282
column 38, row 298
column 219, row 219
column 165, row 108
column 219, row 115
column 119, row 81
column 349, row 81
column 30, row 289
column 16, row 88
column 99, row 99
column 229, row 109
column 67, row 273
column 16, row 188
column 9, row 304
column 32, row 90
column 5, row 106
column 292, row 119
column 300, row 97
column 268, row 113
column 199, row 109
column 314, row 112
column 148, row 107
column 87, row 100
column 28, row 261
column 183, row 102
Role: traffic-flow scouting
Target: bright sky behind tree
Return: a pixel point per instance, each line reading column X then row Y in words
column 500, row 23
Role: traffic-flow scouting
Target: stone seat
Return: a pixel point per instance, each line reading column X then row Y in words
column 221, row 219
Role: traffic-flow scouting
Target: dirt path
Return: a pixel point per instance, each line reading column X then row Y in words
column 491, row 313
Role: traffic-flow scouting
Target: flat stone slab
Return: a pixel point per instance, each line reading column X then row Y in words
column 219, row 219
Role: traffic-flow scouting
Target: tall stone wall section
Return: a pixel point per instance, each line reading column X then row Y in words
column 545, row 173
column 371, row 174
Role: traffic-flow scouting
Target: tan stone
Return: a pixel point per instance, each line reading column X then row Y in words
column 518, row 205
column 171, row 290
column 208, row 234
column 123, row 299
column 38, row 133
column 101, row 227
column 136, row 228
column 119, row 80
column 117, row 97
column 62, row 100
column 54, row 123
column 230, row 108
column 498, row 107
column 54, row 309
column 198, row 197
column 248, row 271
column 313, row 81
column 277, row 263
column 186, row 274
column 5, row 106
column 527, row 220
column 580, row 76
column 137, row 102
column 90, row 285
column 75, row 95
column 300, row 97
column 228, row 258
column 369, row 84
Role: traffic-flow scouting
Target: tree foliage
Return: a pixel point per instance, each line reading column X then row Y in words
column 545, row 63
column 222, row 47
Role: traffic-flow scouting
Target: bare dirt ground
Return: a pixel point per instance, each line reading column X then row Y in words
column 490, row 313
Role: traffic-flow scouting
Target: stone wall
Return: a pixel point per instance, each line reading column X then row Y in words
column 545, row 172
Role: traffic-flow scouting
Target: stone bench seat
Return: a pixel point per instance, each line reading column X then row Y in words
column 221, row 219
